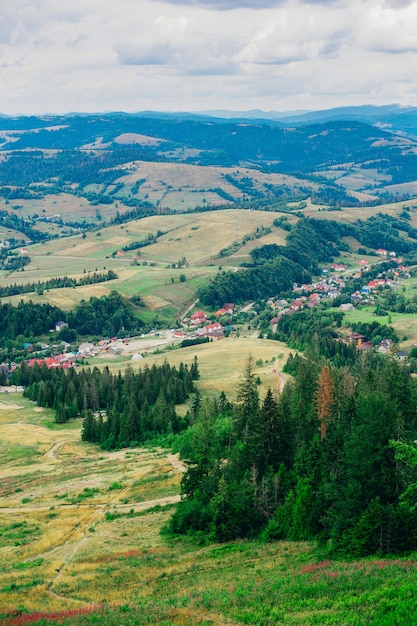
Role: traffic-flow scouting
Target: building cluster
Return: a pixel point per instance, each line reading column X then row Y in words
column 331, row 286
column 201, row 325
column 65, row 360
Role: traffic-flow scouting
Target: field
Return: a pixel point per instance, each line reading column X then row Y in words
column 148, row 271
column 351, row 214
column 69, row 207
column 153, row 271
column 221, row 363
column 177, row 186
column 80, row 544
column 180, row 186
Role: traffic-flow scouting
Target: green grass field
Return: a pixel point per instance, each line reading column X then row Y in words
column 147, row 272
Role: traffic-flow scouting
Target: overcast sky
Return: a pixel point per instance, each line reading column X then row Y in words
column 59, row 56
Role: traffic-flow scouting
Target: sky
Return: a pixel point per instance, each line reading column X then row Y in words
column 60, row 56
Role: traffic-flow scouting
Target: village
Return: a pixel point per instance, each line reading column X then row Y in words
column 197, row 326
column 334, row 284
column 200, row 325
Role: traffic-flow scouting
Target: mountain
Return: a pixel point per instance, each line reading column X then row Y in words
column 351, row 160
column 392, row 117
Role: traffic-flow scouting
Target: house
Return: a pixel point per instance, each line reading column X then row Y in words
column 120, row 253
column 357, row 338
column 286, row 311
column 297, row 304
column 365, row 345
column 198, row 318
column 281, row 304
column 52, row 362
column 333, row 293
column 313, row 299
column 384, row 345
column 60, row 325
column 382, row 252
column 86, row 348
column 213, row 328
column 23, row 251
column 348, row 306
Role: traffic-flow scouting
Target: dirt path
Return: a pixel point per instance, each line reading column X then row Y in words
column 136, row 506
column 50, row 454
column 63, row 555
column 53, row 453
column 189, row 309
column 66, row 553
column 176, row 463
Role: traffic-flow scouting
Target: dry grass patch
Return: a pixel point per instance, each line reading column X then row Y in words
column 83, row 249
column 221, row 362
column 55, row 501
column 153, row 303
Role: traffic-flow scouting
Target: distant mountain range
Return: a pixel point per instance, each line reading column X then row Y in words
column 354, row 154
column 392, row 117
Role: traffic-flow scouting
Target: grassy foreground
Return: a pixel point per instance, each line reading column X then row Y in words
column 80, row 544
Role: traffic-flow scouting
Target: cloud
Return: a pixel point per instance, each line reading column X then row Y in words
column 229, row 5
column 392, row 31
column 158, row 54
column 199, row 54
column 398, row 4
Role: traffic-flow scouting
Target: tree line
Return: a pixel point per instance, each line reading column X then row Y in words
column 57, row 283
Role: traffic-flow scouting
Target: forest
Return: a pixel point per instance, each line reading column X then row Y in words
column 325, row 458
column 310, row 241
column 60, row 158
column 101, row 317
column 118, row 410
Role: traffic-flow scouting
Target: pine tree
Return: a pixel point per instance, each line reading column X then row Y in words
column 248, row 398
column 195, row 374
column 324, row 399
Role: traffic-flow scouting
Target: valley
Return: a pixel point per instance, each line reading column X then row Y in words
column 161, row 281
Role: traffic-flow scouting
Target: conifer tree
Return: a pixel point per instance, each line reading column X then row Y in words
column 324, row 399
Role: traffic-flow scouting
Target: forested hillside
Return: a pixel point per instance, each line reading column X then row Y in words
column 309, row 243
column 90, row 156
column 317, row 461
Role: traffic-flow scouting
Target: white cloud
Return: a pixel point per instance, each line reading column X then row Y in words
column 179, row 54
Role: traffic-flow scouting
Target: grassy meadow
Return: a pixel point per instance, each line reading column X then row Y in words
column 148, row 271
column 80, row 543
column 181, row 186
column 221, row 363
column 351, row 214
